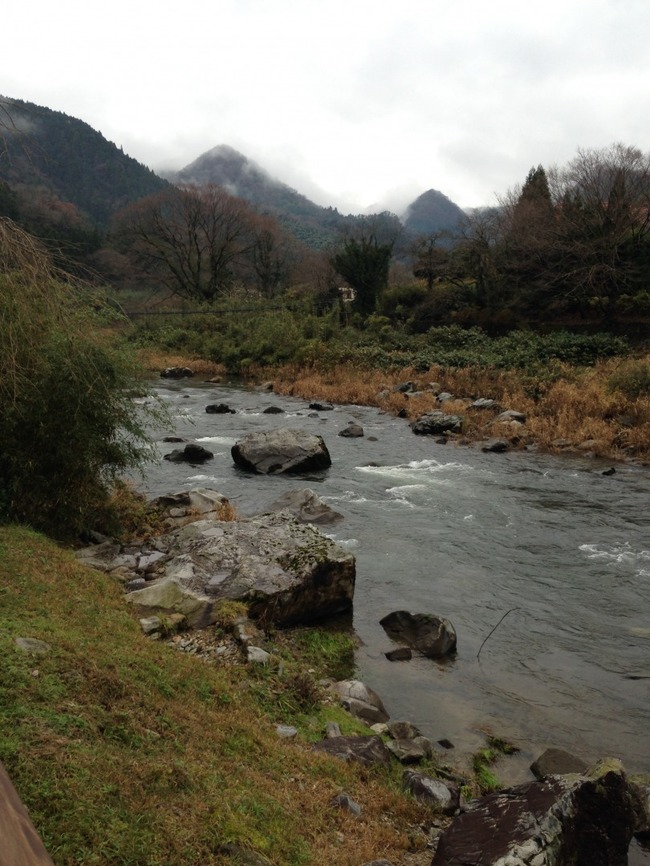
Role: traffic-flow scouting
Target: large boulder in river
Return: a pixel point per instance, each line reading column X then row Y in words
column 287, row 572
column 560, row 821
column 282, row 450
column 192, row 453
column 431, row 635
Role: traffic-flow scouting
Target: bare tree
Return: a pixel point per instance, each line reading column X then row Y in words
column 189, row 238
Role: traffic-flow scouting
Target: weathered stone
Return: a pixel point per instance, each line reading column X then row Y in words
column 435, row 423
column 410, row 751
column 256, row 655
column 403, row 730
column 444, row 397
column 243, row 856
column 431, row 635
column 344, row 801
column 556, row 762
column 366, row 750
column 33, row 645
column 282, row 450
column 321, row 407
column 273, row 410
column 192, row 453
column 286, row 732
column 560, row 821
column 431, row 791
column 150, row 624
column 285, row 571
column 485, row 403
column 332, row 730
column 306, row 506
column 361, row 701
column 352, row 431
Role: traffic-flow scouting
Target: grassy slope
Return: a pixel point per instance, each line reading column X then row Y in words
column 128, row 752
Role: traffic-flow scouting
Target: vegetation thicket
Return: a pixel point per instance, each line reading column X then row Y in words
column 70, row 426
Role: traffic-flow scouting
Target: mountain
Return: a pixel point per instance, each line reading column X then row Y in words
column 224, row 166
column 430, row 213
column 67, row 157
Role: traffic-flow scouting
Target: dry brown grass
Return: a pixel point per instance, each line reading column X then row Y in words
column 579, row 407
column 154, row 361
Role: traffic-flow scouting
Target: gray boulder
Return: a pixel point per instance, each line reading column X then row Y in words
column 361, row 701
column 431, row 635
column 435, row 423
column 366, row 750
column 287, row 572
column 431, row 791
column 282, row 450
column 495, row 446
column 352, row 431
column 305, row 506
column 176, row 373
column 410, row 751
column 560, row 821
column 219, row 409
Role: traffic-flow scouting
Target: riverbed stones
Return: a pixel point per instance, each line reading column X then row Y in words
column 410, row 750
column 427, row 633
column 283, row 450
column 560, row 820
column 285, row 571
column 176, row 373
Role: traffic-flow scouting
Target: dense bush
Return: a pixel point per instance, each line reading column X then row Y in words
column 70, row 425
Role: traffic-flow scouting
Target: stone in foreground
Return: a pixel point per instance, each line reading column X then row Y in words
column 560, row 821
column 285, row 571
column 283, row 450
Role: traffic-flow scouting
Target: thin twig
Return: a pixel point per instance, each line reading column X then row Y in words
column 494, row 629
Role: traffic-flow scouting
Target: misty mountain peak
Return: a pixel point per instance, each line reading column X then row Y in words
column 432, row 212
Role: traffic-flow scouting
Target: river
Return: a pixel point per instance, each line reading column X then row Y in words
column 560, row 549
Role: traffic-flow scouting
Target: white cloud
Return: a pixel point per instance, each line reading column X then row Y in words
column 354, row 103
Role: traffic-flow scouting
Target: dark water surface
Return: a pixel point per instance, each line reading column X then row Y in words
column 469, row 536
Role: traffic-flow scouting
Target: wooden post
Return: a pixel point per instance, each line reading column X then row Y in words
column 20, row 844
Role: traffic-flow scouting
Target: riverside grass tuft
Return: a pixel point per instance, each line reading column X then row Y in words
column 127, row 751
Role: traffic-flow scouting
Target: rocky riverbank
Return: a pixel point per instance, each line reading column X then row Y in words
column 281, row 570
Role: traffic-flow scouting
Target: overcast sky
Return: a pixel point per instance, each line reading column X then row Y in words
column 356, row 103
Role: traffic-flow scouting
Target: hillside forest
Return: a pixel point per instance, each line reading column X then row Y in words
column 568, row 247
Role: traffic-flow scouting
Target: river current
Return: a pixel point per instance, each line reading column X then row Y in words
column 549, row 550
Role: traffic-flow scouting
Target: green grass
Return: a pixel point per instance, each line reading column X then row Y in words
column 128, row 752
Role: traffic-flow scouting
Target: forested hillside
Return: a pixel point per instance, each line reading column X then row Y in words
column 51, row 154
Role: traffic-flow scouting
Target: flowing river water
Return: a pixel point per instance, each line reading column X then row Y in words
column 560, row 549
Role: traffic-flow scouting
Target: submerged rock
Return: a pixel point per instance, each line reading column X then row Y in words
column 305, row 506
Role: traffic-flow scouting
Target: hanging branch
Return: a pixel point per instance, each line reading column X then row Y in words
column 494, row 629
